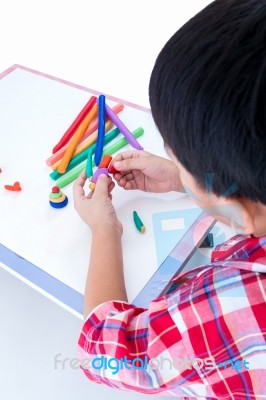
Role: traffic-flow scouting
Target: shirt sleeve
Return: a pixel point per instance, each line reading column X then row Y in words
column 213, row 314
column 131, row 348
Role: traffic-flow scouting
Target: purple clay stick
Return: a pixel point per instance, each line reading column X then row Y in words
column 123, row 129
column 99, row 172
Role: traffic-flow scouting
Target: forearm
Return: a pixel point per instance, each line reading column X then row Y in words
column 105, row 279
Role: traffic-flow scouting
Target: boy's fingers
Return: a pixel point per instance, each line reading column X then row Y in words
column 123, row 156
column 78, row 185
column 131, row 163
column 111, row 187
column 130, row 154
column 102, row 184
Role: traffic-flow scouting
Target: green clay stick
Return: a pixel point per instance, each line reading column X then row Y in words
column 89, row 171
column 84, row 154
column 138, row 223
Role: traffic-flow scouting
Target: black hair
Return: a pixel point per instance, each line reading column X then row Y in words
column 208, row 96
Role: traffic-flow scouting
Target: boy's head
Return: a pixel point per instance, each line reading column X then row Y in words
column 208, row 99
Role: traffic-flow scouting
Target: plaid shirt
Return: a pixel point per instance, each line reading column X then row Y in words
column 205, row 338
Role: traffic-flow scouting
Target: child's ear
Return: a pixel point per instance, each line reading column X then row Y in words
column 246, row 227
column 243, row 223
column 235, row 212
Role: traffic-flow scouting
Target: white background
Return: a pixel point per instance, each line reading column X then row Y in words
column 109, row 46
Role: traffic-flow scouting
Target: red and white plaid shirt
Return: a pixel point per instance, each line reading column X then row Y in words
column 205, row 339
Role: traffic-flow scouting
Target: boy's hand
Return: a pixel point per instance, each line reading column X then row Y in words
column 145, row 171
column 96, row 209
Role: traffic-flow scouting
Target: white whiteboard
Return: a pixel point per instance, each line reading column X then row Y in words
column 35, row 111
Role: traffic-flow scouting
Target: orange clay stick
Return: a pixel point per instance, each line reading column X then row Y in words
column 76, row 139
column 92, row 128
column 105, row 161
column 85, row 144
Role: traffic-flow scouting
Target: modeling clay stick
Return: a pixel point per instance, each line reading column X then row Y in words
column 89, row 171
column 97, row 173
column 89, row 141
column 76, row 139
column 138, row 223
column 101, row 122
column 75, row 124
column 85, row 144
column 75, row 172
column 124, row 130
column 105, row 161
column 84, row 154
column 122, row 142
column 92, row 128
column 104, row 164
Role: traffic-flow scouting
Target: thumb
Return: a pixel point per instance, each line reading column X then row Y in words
column 130, row 163
column 101, row 188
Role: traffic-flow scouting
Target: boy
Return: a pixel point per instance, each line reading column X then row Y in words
column 208, row 99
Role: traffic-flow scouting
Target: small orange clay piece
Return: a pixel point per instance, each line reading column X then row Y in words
column 15, row 188
column 0, row 170
column 105, row 161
